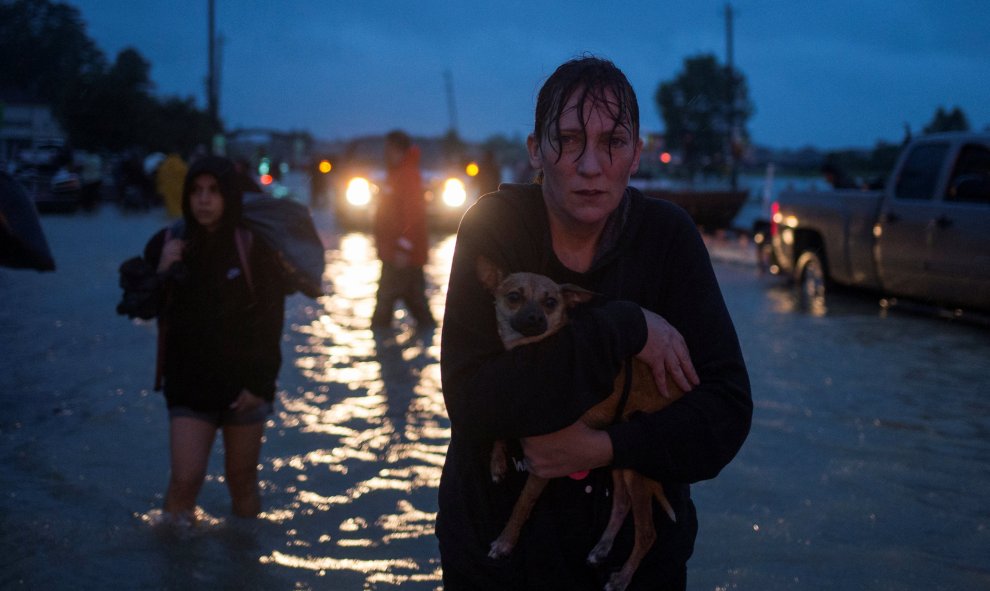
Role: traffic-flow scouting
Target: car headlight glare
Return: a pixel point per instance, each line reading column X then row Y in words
column 454, row 193
column 359, row 191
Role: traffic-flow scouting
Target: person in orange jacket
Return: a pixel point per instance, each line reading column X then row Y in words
column 401, row 235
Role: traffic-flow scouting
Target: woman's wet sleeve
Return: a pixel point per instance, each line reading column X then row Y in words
column 694, row 438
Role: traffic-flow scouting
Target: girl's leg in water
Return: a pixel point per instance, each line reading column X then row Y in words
column 191, row 440
column 242, row 449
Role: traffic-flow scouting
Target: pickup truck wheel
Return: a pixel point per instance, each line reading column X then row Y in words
column 811, row 281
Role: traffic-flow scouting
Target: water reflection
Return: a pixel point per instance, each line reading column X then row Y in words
column 865, row 468
column 359, row 445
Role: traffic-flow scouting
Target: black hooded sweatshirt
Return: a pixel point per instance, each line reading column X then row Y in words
column 221, row 332
column 650, row 255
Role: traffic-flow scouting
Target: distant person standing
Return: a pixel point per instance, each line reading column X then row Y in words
column 169, row 178
column 401, row 236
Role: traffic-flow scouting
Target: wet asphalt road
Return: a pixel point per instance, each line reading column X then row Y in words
column 866, row 467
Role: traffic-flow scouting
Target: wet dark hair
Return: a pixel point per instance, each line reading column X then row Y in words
column 594, row 78
column 399, row 139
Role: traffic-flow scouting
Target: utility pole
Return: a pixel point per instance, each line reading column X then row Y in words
column 451, row 107
column 211, row 77
column 731, row 100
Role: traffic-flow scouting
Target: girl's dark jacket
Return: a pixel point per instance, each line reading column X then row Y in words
column 221, row 332
column 652, row 256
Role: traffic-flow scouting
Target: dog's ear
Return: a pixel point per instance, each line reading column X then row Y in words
column 575, row 294
column 488, row 274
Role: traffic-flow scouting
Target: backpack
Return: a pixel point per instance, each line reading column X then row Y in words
column 287, row 228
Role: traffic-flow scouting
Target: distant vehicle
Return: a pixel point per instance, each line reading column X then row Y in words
column 45, row 173
column 447, row 196
column 925, row 237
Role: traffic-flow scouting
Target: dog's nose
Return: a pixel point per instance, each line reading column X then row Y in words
column 529, row 322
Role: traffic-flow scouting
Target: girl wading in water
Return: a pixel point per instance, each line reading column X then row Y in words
column 220, row 307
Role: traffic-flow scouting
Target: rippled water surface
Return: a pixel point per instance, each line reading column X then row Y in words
column 866, row 468
column 350, row 465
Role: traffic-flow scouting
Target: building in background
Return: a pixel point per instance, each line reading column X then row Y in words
column 26, row 125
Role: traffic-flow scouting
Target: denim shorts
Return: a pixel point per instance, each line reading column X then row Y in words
column 224, row 417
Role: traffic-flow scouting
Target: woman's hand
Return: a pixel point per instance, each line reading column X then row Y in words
column 246, row 402
column 171, row 254
column 572, row 449
column 667, row 354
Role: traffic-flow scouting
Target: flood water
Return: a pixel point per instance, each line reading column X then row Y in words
column 867, row 466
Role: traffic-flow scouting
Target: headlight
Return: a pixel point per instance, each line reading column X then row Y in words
column 454, row 193
column 359, row 191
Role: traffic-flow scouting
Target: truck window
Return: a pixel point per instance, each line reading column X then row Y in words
column 919, row 174
column 970, row 181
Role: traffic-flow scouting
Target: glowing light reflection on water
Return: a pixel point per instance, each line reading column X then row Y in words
column 360, row 494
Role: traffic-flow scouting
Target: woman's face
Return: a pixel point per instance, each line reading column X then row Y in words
column 585, row 171
column 206, row 201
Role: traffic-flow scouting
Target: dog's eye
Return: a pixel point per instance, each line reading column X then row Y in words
column 550, row 303
column 513, row 297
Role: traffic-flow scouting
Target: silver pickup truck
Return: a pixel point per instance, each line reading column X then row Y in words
column 925, row 237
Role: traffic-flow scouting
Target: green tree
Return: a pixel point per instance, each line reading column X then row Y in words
column 178, row 126
column 44, row 46
column 705, row 110
column 46, row 56
column 112, row 110
column 954, row 120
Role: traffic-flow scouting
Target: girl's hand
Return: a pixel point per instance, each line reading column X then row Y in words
column 246, row 402
column 171, row 254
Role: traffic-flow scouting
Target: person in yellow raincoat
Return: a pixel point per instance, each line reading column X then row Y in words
column 168, row 182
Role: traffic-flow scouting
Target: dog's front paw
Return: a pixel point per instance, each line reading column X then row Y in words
column 618, row 581
column 599, row 552
column 498, row 471
column 499, row 549
column 499, row 464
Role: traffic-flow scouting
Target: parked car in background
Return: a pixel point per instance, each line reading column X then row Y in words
column 47, row 174
column 925, row 237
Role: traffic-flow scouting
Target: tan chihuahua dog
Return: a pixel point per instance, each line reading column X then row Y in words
column 528, row 308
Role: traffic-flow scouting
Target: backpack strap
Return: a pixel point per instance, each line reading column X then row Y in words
column 244, row 238
column 162, row 330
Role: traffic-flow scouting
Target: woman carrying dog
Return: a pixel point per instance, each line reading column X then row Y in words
column 582, row 224
column 220, row 310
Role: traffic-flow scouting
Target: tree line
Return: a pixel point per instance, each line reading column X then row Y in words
column 47, row 57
